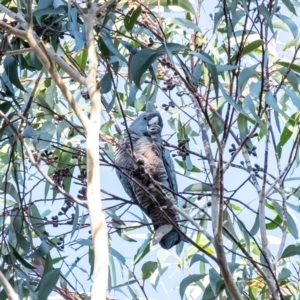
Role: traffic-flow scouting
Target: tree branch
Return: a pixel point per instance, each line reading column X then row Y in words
column 11, row 294
column 37, row 164
column 98, row 224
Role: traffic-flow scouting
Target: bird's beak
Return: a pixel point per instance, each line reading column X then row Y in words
column 153, row 121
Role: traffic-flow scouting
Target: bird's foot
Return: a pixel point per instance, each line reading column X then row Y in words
column 154, row 129
column 140, row 162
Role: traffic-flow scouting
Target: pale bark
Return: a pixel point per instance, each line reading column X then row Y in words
column 98, row 224
column 11, row 294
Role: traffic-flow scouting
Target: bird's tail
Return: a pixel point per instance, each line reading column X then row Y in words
column 171, row 239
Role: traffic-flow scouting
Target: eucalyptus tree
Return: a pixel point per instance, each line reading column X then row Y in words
column 224, row 77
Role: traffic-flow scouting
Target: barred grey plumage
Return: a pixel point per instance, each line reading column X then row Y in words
column 155, row 160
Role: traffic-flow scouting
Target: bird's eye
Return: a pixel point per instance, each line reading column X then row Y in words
column 145, row 118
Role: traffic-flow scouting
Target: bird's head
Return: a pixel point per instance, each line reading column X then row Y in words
column 145, row 120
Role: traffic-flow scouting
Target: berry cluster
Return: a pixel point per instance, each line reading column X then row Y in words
column 167, row 106
column 61, row 243
column 60, row 175
column 170, row 85
column 65, row 209
column 82, row 192
column 49, row 157
column 182, row 150
column 250, row 151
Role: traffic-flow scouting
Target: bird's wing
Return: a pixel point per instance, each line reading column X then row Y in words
column 126, row 185
column 169, row 166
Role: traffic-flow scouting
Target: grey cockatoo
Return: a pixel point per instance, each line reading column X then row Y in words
column 150, row 158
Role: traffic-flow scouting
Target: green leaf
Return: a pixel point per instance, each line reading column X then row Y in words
column 75, row 221
column 227, row 223
column 243, row 129
column 204, row 57
column 184, row 22
column 233, row 266
column 22, row 260
column 291, row 77
column 248, row 107
column 214, row 278
column 131, row 18
column 236, row 17
column 142, row 60
column 105, row 83
column 22, row 242
column 148, row 269
column 109, row 44
column 85, row 242
column 284, row 137
column 111, row 104
column 285, row 274
column 58, row 259
column 124, row 284
column 81, row 58
column 198, row 187
column 48, row 264
column 47, row 284
column 42, row 250
column 225, row 68
column 143, row 250
column 36, row 219
column 7, row 88
column 10, row 189
column 196, row 74
column 34, row 62
column 132, row 93
column 50, row 11
column 291, row 224
column 5, row 107
column 290, row 23
column 46, row 133
column 217, row 17
column 11, row 69
column 290, row 44
column 198, row 257
column 232, row 102
column 270, row 99
column 208, row 293
column 187, row 281
column 273, row 225
column 210, row 65
column 295, row 67
column 132, row 49
column 117, row 255
column 103, row 48
column 194, row 169
column 125, row 237
column 291, row 250
column 295, row 99
column 245, row 75
column 216, row 122
column 289, row 6
column 265, row 12
column 249, row 49
column 234, row 6
column 184, row 4
column 132, row 293
column 45, row 4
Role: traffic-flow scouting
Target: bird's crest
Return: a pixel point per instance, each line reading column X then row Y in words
column 150, row 107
